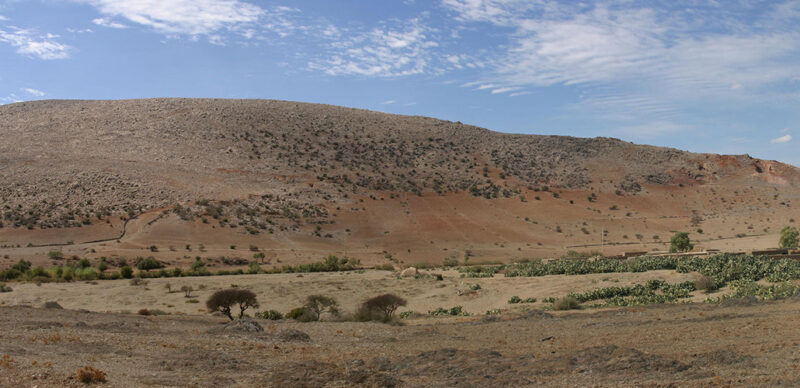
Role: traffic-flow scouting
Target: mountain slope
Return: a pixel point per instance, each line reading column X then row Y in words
column 287, row 174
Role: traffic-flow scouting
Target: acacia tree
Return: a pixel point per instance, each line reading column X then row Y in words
column 318, row 304
column 789, row 237
column 224, row 300
column 385, row 304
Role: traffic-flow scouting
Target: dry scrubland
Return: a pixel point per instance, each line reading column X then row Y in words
column 467, row 328
column 210, row 185
column 743, row 343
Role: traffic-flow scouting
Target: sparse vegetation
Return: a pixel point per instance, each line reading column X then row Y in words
column 271, row 315
column 453, row 311
column 566, row 303
column 90, row 375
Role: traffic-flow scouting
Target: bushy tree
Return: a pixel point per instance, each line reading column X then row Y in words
column 126, row 272
column 319, row 304
column 680, row 242
column 381, row 307
column 224, row 300
column 149, row 263
column 789, row 237
column 22, row 266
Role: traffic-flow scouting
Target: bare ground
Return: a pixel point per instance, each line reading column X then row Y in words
column 676, row 345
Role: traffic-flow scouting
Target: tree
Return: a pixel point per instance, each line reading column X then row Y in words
column 149, row 263
column 224, row 300
column 187, row 291
column 789, row 237
column 126, row 272
column 383, row 305
column 318, row 304
column 680, row 242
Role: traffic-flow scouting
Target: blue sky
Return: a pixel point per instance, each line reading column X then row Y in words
column 706, row 76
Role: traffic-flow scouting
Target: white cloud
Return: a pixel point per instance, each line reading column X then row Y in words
column 33, row 92
column 783, row 139
column 636, row 59
column 3, row 18
column 10, row 99
column 506, row 89
column 381, row 52
column 80, row 31
column 29, row 44
column 179, row 17
column 106, row 22
column 388, row 102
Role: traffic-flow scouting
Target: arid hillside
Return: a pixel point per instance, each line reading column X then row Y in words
column 178, row 178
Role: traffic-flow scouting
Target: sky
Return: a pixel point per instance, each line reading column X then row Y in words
column 704, row 76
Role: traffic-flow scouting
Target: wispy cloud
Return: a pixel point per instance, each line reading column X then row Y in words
column 10, row 99
column 388, row 102
column 652, row 59
column 106, row 22
column 35, row 45
column 33, row 92
column 782, row 139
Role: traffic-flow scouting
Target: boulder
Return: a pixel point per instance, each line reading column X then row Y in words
column 53, row 305
column 408, row 272
column 243, row 325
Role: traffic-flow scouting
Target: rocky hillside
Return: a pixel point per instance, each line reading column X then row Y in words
column 68, row 163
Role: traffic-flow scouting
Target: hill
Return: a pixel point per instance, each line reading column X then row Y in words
column 298, row 181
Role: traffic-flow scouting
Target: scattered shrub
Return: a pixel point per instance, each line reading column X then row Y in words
column 187, row 291
column 706, row 283
column 514, row 300
column 454, row 311
column 22, row 266
column 90, row 375
column 450, row 262
column 272, row 315
column 224, row 300
column 198, row 265
column 149, row 263
column 254, row 268
column 126, row 272
column 4, row 288
column 566, row 303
